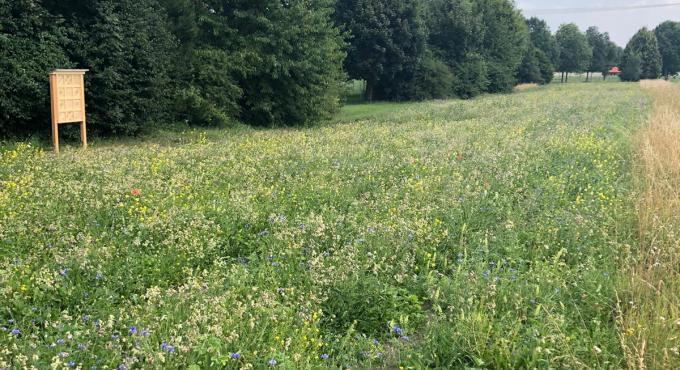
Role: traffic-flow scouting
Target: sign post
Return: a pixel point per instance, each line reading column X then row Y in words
column 67, row 89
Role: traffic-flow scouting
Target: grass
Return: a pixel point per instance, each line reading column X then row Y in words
column 650, row 312
column 491, row 233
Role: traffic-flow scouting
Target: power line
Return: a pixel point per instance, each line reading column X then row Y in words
column 601, row 9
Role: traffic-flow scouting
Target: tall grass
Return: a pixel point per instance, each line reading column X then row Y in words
column 650, row 313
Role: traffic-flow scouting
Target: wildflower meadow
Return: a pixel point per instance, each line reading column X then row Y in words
column 490, row 233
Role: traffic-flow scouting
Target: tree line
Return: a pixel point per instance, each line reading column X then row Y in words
column 286, row 62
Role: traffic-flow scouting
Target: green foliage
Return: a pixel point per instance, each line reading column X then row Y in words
column 537, row 65
column 483, row 42
column 668, row 37
column 575, row 53
column 31, row 46
column 645, row 46
column 433, row 79
column 125, row 46
column 535, row 68
column 473, row 76
column 599, row 43
column 542, row 39
column 631, row 66
column 387, row 40
column 503, row 43
column 369, row 305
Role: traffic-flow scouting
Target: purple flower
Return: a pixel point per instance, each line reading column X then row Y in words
column 70, row 364
column 235, row 356
column 121, row 367
column 397, row 330
column 63, row 354
column 60, row 341
column 271, row 362
column 132, row 330
column 85, row 318
column 64, row 271
column 324, row 356
column 375, row 342
column 15, row 331
column 167, row 348
column 145, row 332
column 404, row 338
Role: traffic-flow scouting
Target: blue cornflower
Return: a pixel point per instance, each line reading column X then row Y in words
column 167, row 348
column 85, row 318
column 121, row 367
column 10, row 321
column 235, row 356
column 114, row 336
column 272, row 362
column 404, row 338
column 397, row 330
column 324, row 356
column 132, row 330
column 70, row 364
column 375, row 342
column 64, row 271
column 60, row 341
column 15, row 331
column 145, row 332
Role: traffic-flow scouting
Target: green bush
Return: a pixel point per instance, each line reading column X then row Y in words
column 433, row 79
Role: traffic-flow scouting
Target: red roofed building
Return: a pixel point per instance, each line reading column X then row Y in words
column 614, row 71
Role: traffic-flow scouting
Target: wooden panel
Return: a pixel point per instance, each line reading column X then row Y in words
column 69, row 98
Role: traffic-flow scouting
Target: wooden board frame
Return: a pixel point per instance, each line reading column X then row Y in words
column 67, row 91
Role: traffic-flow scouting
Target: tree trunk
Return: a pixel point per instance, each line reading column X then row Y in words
column 368, row 94
column 566, row 79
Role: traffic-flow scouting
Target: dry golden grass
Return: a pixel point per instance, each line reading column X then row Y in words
column 649, row 313
column 525, row 87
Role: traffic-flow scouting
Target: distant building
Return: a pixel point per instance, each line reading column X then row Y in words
column 614, row 71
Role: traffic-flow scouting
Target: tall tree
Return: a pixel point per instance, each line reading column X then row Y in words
column 668, row 37
column 630, row 66
column 575, row 53
column 541, row 38
column 599, row 43
column 646, row 47
column 387, row 41
column 504, row 42
column 31, row 45
column 537, row 65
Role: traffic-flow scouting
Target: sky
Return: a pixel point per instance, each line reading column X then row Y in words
column 621, row 24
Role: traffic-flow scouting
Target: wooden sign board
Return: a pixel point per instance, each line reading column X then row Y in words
column 67, row 89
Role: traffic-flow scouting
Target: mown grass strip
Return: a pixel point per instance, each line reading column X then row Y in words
column 650, row 309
